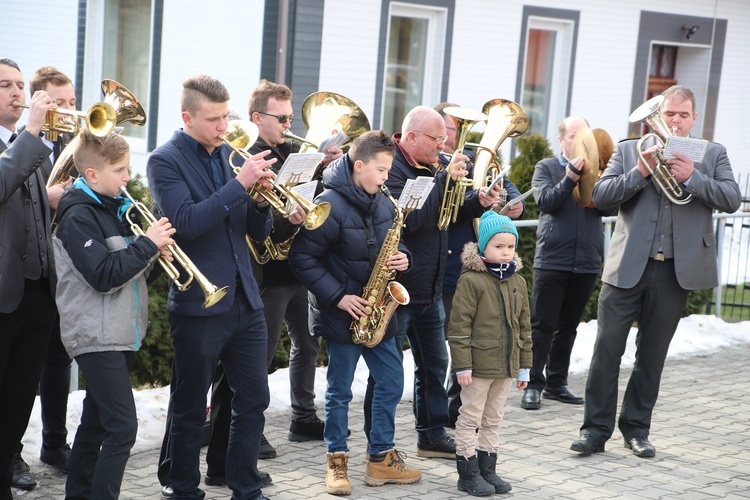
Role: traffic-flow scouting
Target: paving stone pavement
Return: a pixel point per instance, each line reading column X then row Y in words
column 701, row 431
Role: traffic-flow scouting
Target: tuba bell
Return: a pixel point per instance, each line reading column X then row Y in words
column 650, row 113
column 453, row 196
column 119, row 106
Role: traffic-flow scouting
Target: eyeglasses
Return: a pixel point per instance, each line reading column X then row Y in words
column 281, row 118
column 438, row 140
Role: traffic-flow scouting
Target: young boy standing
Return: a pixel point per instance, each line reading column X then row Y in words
column 103, row 303
column 334, row 262
column 486, row 358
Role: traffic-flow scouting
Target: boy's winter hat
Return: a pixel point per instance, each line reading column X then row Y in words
column 491, row 224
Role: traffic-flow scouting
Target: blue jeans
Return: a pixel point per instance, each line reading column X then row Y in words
column 237, row 338
column 384, row 363
column 423, row 326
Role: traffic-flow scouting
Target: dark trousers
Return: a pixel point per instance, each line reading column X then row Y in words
column 558, row 301
column 107, row 430
column 288, row 304
column 239, row 339
column 24, row 335
column 221, row 417
column 54, row 386
column 660, row 300
column 452, row 386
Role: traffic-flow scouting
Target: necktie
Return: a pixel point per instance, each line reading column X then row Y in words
column 12, row 138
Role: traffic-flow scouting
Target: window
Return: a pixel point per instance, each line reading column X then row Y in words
column 413, row 68
column 547, row 72
column 126, row 53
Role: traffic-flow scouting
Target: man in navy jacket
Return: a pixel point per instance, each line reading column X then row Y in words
column 192, row 183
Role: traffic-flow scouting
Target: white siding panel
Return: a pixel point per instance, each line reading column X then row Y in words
column 349, row 52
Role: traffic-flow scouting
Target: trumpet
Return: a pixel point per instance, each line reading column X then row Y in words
column 100, row 120
column 212, row 293
column 453, row 197
column 650, row 113
column 240, row 136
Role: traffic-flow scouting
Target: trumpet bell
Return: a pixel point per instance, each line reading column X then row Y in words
column 101, row 119
column 317, row 215
column 213, row 295
column 241, row 134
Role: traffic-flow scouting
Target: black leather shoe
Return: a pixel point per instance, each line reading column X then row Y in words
column 266, row 451
column 442, row 447
column 22, row 476
column 221, row 480
column 531, row 400
column 167, row 493
column 309, row 431
column 57, row 457
column 586, row 445
column 640, row 446
column 562, row 394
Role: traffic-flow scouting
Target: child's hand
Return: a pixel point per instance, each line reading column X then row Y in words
column 521, row 385
column 464, row 379
column 355, row 305
column 398, row 262
column 161, row 233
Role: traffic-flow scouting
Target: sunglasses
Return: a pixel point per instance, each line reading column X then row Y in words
column 281, row 118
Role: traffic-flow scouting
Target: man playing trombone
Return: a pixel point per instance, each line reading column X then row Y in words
column 660, row 250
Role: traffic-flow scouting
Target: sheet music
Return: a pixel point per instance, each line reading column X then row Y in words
column 415, row 192
column 499, row 177
column 516, row 200
column 298, row 168
column 307, row 190
column 693, row 149
column 333, row 141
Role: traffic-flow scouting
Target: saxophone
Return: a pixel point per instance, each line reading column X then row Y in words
column 381, row 291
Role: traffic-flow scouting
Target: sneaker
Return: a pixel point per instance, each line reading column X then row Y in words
column 389, row 467
column 442, row 447
column 337, row 478
column 309, row 431
column 266, row 451
column 22, row 476
column 56, row 457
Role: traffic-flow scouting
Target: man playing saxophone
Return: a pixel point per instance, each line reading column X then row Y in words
column 335, row 262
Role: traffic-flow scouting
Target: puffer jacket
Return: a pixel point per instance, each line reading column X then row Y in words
column 476, row 341
column 335, row 259
column 101, row 269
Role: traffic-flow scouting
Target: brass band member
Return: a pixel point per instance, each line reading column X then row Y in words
column 659, row 252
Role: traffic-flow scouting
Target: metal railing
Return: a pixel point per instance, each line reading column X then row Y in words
column 723, row 221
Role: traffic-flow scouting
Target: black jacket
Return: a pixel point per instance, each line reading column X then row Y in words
column 428, row 245
column 336, row 259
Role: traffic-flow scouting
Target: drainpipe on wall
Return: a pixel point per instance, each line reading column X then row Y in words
column 281, row 41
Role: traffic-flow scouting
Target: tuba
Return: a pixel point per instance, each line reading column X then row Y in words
column 119, row 106
column 453, row 196
column 595, row 146
column 381, row 290
column 650, row 113
column 210, row 291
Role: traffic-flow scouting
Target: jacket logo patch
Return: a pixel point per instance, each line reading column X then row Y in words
column 88, row 243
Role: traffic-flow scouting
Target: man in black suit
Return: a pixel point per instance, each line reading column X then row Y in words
column 192, row 183
column 27, row 269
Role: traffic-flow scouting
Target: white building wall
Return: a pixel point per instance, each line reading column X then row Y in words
column 349, row 59
column 40, row 33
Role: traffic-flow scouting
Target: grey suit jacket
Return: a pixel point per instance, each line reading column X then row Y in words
column 713, row 187
column 28, row 158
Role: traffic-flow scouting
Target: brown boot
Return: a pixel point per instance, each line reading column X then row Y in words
column 389, row 467
column 337, row 481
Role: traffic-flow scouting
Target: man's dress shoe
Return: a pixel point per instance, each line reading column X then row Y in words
column 586, row 445
column 22, row 476
column 640, row 446
column 530, row 400
column 562, row 394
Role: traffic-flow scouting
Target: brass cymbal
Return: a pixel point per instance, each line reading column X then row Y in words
column 605, row 146
column 584, row 145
